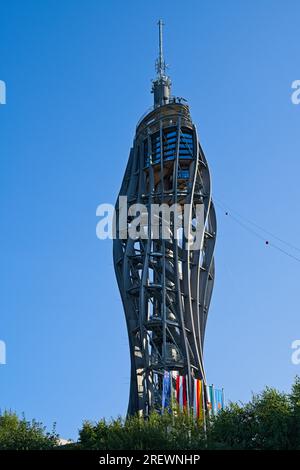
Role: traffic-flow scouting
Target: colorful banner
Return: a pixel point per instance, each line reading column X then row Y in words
column 212, row 399
column 219, row 400
column 205, row 397
column 166, row 393
column 208, row 400
column 181, row 391
column 198, row 399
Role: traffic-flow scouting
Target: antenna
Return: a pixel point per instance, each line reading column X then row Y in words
column 160, row 63
column 161, row 86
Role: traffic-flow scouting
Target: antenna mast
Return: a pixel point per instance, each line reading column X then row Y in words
column 162, row 85
column 160, row 63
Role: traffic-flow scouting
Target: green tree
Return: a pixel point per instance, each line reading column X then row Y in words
column 271, row 420
column 19, row 434
column 160, row 432
column 295, row 405
column 263, row 423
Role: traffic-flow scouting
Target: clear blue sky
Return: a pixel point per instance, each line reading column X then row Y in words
column 78, row 78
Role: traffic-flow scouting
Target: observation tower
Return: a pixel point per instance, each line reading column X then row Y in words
column 165, row 285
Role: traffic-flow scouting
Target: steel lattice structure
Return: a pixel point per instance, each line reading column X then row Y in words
column 165, row 287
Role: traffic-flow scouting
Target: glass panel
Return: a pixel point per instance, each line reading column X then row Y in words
column 146, row 155
column 155, row 144
column 183, row 174
column 170, row 133
column 186, row 147
column 172, row 140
